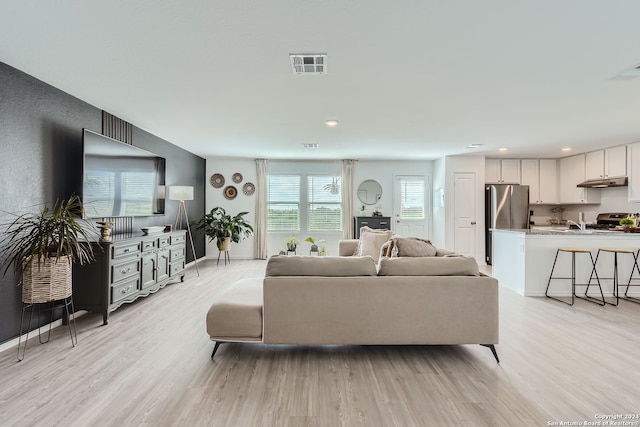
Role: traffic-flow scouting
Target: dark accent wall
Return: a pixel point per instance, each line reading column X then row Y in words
column 41, row 161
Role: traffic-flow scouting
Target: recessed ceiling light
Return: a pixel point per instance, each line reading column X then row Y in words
column 474, row 145
column 503, row 149
column 331, row 123
column 565, row 149
column 311, row 145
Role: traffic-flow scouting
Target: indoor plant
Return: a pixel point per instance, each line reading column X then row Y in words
column 292, row 243
column 224, row 228
column 627, row 223
column 314, row 246
column 44, row 245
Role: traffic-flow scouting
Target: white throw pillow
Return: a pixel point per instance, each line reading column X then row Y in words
column 371, row 241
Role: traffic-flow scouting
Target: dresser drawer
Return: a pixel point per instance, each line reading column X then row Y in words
column 164, row 241
column 176, row 268
column 149, row 244
column 124, row 289
column 126, row 269
column 176, row 253
column 124, row 250
column 177, row 239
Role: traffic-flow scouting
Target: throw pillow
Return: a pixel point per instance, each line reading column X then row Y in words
column 413, row 247
column 371, row 242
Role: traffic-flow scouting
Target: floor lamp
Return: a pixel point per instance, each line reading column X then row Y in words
column 182, row 193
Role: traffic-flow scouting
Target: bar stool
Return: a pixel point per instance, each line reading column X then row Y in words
column 616, row 277
column 573, row 252
column 633, row 270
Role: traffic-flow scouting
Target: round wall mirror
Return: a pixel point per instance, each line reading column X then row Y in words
column 369, row 192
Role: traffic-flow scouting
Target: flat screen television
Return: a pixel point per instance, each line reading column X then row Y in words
column 120, row 179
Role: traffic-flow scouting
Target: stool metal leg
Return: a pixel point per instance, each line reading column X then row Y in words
column 546, row 293
column 633, row 270
column 601, row 301
column 574, row 283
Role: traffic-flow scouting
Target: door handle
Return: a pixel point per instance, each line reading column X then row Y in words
column 473, row 223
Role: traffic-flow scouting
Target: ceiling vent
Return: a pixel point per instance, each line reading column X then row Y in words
column 315, row 63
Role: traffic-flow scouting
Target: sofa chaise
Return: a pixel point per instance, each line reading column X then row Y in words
column 437, row 300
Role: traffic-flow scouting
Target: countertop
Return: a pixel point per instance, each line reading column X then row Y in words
column 564, row 231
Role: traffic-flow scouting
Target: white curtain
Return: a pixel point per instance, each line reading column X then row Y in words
column 260, row 245
column 347, row 198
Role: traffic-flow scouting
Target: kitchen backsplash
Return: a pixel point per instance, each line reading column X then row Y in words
column 613, row 199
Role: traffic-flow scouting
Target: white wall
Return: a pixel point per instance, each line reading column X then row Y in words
column 384, row 171
column 381, row 171
column 215, row 197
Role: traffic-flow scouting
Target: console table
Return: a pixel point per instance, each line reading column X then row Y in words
column 376, row 222
column 129, row 267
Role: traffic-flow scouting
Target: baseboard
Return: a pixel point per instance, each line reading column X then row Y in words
column 7, row 345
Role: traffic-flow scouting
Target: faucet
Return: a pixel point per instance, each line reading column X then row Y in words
column 582, row 226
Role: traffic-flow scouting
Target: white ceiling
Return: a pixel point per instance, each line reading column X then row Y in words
column 406, row 79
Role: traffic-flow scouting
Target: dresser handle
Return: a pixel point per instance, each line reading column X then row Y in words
column 383, row 223
column 364, row 222
column 124, row 291
column 123, row 271
column 126, row 250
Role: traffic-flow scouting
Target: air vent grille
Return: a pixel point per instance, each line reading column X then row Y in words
column 315, row 63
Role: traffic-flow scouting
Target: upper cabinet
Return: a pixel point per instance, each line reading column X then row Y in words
column 573, row 172
column 502, row 171
column 541, row 177
column 615, row 162
column 634, row 172
column 594, row 163
column 607, row 163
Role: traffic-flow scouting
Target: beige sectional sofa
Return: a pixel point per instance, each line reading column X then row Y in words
column 351, row 300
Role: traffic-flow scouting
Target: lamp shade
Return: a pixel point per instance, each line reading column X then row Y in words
column 180, row 192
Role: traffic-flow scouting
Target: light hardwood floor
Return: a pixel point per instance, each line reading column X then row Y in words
column 151, row 366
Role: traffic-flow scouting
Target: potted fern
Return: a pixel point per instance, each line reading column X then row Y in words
column 43, row 246
column 224, row 228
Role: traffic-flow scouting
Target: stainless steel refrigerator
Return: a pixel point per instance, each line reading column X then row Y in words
column 506, row 207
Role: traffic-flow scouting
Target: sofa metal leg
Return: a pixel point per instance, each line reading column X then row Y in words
column 215, row 348
column 493, row 350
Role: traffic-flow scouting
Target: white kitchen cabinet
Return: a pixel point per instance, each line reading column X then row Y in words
column 541, row 177
column 549, row 181
column 530, row 175
column 634, row 172
column 572, row 173
column 607, row 163
column 594, row 165
column 502, row 171
column 615, row 162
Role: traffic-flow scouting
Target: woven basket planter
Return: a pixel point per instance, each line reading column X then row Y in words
column 46, row 280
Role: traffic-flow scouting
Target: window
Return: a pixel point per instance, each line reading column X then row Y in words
column 325, row 203
column 283, row 206
column 412, row 198
column 314, row 207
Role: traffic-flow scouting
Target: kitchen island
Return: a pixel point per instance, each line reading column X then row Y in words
column 522, row 259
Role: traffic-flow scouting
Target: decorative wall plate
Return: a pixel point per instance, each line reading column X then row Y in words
column 230, row 192
column 217, row 180
column 237, row 177
column 248, row 189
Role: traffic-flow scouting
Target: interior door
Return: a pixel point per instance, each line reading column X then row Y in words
column 411, row 207
column 465, row 213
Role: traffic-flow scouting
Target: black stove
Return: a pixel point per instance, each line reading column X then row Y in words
column 605, row 221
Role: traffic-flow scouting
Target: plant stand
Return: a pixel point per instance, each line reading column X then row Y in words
column 226, row 256
column 35, row 307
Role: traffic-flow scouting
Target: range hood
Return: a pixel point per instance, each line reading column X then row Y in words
column 605, row 182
